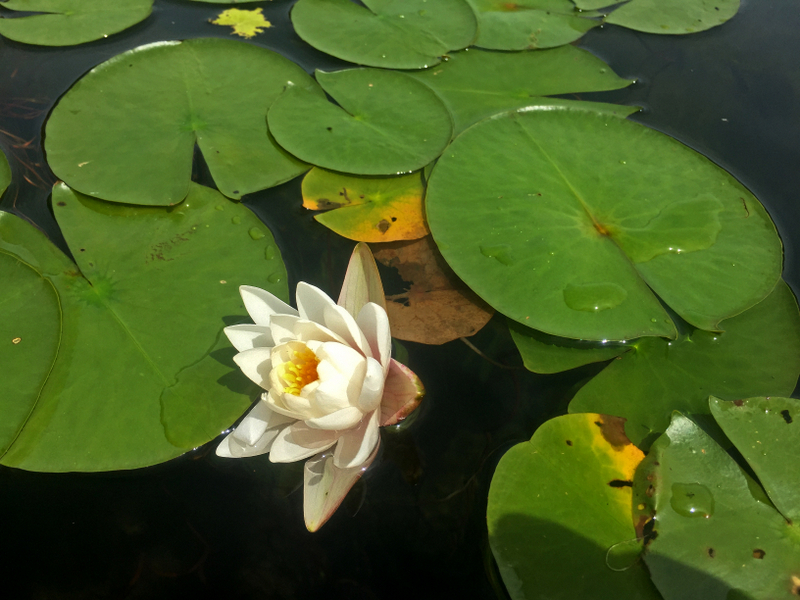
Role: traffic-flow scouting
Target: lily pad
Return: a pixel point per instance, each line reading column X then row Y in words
column 141, row 372
column 367, row 209
column 126, row 132
column 673, row 17
column 713, row 538
column 393, row 34
column 245, row 23
column 5, row 173
column 475, row 84
column 528, row 23
column 386, row 123
column 767, row 433
column 71, row 22
column 757, row 354
column 579, row 220
column 594, row 4
column 559, row 513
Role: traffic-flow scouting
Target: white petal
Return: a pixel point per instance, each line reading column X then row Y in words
column 281, row 327
column 299, row 405
column 355, row 445
column 256, row 364
column 374, row 322
column 337, row 393
column 249, row 336
column 257, row 422
column 307, row 331
column 342, row 358
column 300, row 441
column 261, row 305
column 372, row 390
column 342, row 323
column 341, row 419
column 276, row 403
column 230, row 447
column 311, row 302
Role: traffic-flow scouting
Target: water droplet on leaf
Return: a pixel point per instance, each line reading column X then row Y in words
column 692, row 500
column 594, row 296
column 256, row 233
column 501, row 254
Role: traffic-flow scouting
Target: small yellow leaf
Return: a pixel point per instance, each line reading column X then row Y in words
column 245, row 23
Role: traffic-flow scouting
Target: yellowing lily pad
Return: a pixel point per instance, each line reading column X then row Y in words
column 126, row 132
column 245, row 23
column 121, row 358
column 71, row 22
column 367, row 209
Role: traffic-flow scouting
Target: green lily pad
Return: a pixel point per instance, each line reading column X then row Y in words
column 757, row 354
column 475, row 84
column 126, row 132
column 593, row 4
column 367, row 209
column 577, row 220
column 714, row 539
column 142, row 372
column 393, row 34
column 5, row 173
column 71, row 22
column 767, row 433
column 385, row 123
column 528, row 24
column 673, row 16
column 559, row 513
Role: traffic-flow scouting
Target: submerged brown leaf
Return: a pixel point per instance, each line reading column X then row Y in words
column 438, row 307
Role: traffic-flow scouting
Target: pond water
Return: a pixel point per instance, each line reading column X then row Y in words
column 202, row 526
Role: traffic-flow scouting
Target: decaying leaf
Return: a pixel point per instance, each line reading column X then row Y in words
column 437, row 307
column 245, row 23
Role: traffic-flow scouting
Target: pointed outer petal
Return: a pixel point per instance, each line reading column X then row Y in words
column 362, row 282
column 311, row 302
column 372, row 390
column 347, row 418
column 326, row 485
column 282, row 328
column 339, row 392
column 402, row 393
column 260, row 419
column 355, row 445
column 374, row 322
column 249, row 336
column 231, row 447
column 277, row 404
column 261, row 305
column 256, row 364
column 307, row 331
column 342, row 323
column 300, row 441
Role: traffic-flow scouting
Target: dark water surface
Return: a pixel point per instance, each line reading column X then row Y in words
column 202, row 527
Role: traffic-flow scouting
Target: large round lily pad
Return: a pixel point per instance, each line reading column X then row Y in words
column 673, row 16
column 475, row 84
column 136, row 370
column 394, row 34
column 559, row 513
column 757, row 354
column 386, row 123
column 71, row 22
column 577, row 222
column 126, row 132
column 529, row 23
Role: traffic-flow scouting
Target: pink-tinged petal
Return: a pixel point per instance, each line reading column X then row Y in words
column 249, row 336
column 342, row 323
column 341, row 419
column 372, row 390
column 307, row 331
column 257, row 422
column 256, row 364
column 261, row 305
column 311, row 302
column 300, row 441
column 362, row 282
column 374, row 322
column 338, row 392
column 282, row 328
column 355, row 445
column 402, row 393
column 326, row 485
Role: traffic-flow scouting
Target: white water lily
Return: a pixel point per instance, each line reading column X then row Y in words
column 330, row 379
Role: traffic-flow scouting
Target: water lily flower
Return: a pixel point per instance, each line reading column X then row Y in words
column 330, row 382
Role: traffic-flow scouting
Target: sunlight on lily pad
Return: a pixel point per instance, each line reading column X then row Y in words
column 582, row 219
column 126, row 132
column 757, row 354
column 386, row 123
column 142, row 372
column 717, row 535
column 559, row 513
column 395, row 34
column 5, row 173
column 71, row 22
column 475, row 84
column 673, row 16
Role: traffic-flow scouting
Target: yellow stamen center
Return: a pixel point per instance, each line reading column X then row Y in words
column 299, row 370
